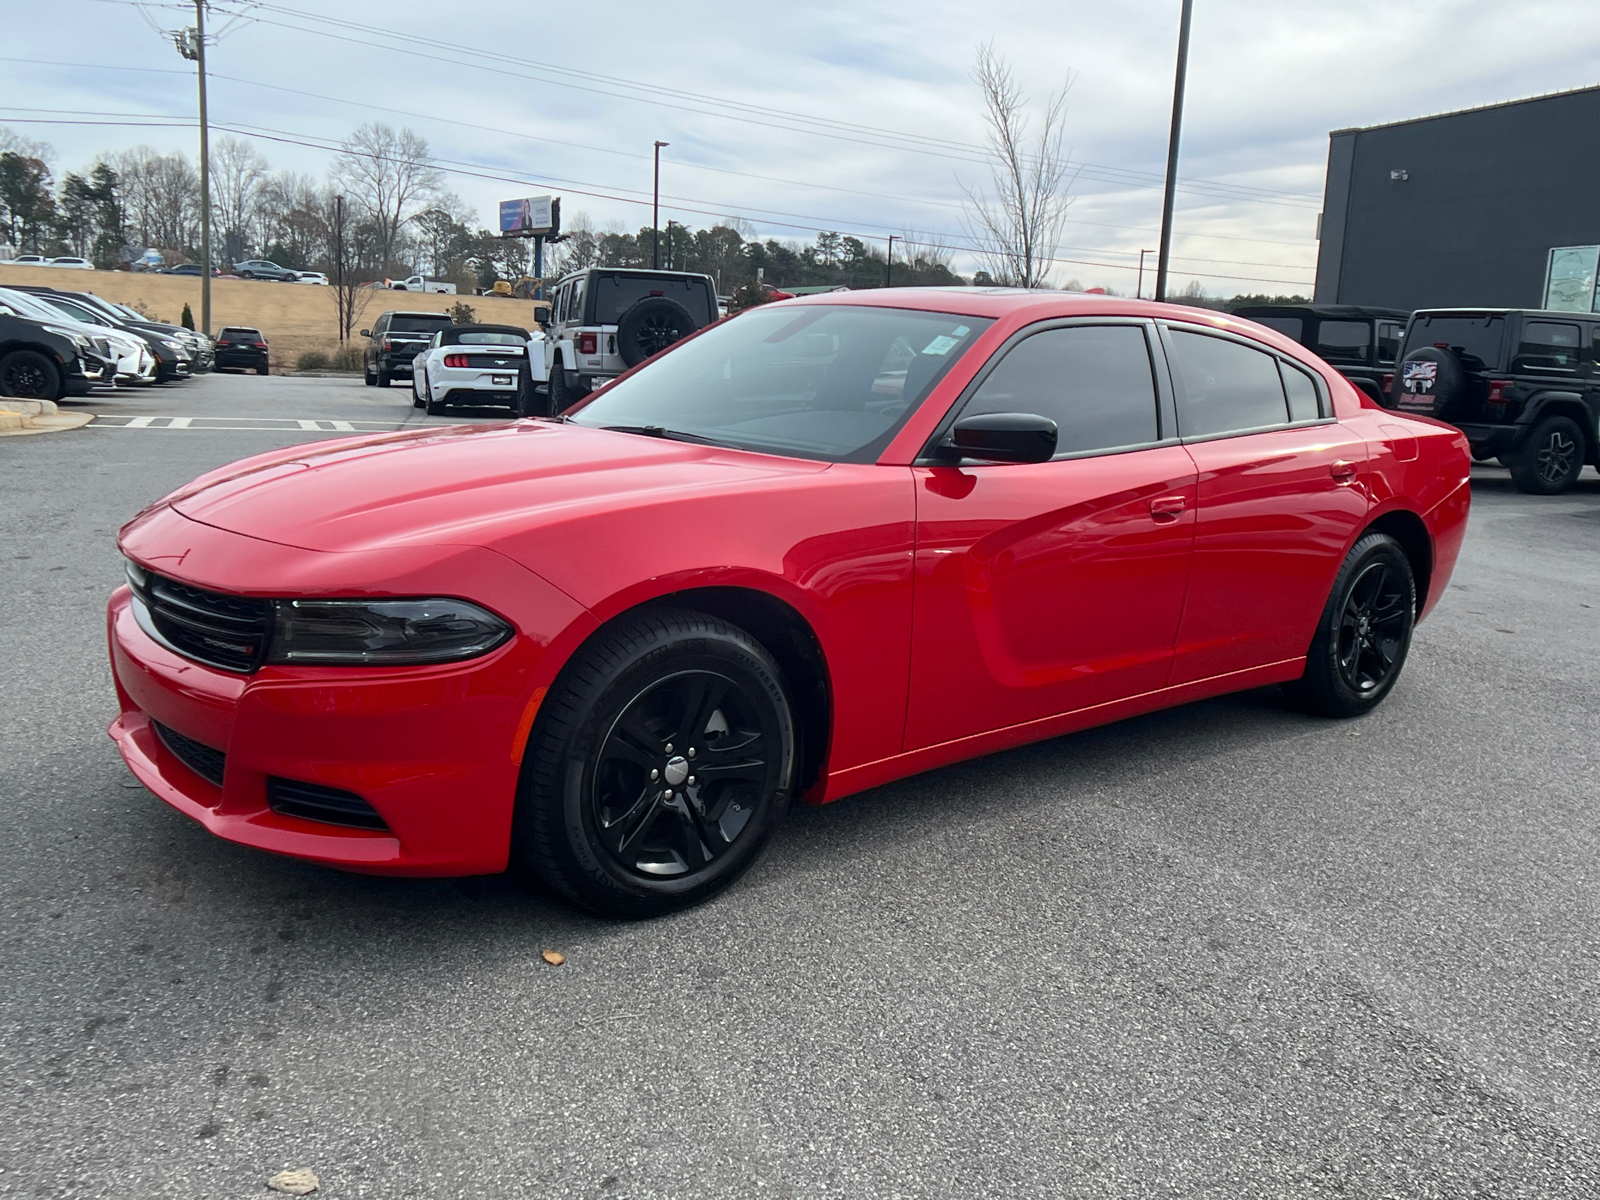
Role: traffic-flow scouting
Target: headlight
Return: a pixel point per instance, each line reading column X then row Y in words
column 171, row 344
column 382, row 632
column 79, row 340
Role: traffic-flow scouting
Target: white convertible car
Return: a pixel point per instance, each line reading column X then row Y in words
column 481, row 365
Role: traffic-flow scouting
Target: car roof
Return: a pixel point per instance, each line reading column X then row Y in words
column 517, row 329
column 1506, row 312
column 996, row 302
column 406, row 312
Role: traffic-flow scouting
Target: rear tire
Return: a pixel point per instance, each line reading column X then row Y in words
column 609, row 813
column 383, row 378
column 416, row 396
column 264, row 369
column 557, row 389
column 366, row 376
column 1552, row 458
column 1364, row 633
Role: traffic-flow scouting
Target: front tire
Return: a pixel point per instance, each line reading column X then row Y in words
column 661, row 762
column 416, row 396
column 1551, row 460
column 29, row 375
column 1364, row 634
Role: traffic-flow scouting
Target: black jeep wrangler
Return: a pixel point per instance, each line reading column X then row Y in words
column 1360, row 343
column 1523, row 385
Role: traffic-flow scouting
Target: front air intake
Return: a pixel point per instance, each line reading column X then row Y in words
column 314, row 802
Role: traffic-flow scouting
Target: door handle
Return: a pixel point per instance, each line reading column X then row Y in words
column 1342, row 471
column 1168, row 508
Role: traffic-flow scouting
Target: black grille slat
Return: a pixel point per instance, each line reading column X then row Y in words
column 205, row 762
column 217, row 629
column 314, row 802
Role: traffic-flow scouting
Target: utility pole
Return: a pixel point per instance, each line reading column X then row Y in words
column 888, row 264
column 1139, row 291
column 340, row 300
column 1172, row 151
column 191, row 44
column 655, row 212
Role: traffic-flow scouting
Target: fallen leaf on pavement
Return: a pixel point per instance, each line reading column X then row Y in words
column 554, row 957
column 299, row 1182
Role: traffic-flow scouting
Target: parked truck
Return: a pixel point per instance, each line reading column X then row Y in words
column 420, row 283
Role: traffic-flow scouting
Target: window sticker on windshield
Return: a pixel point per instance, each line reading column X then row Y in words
column 946, row 342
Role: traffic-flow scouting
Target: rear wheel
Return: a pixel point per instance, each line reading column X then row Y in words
column 416, row 396
column 1551, row 460
column 662, row 760
column 1364, row 635
column 383, row 379
column 263, row 369
column 29, row 375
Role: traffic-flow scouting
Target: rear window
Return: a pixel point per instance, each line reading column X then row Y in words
column 481, row 338
column 1291, row 327
column 613, row 295
column 1344, row 341
column 407, row 323
column 1475, row 340
column 240, row 332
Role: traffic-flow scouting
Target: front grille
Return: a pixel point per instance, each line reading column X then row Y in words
column 313, row 802
column 223, row 631
column 202, row 760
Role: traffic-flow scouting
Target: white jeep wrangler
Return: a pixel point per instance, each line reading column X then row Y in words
column 604, row 320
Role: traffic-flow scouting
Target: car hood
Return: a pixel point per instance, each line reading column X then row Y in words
column 459, row 485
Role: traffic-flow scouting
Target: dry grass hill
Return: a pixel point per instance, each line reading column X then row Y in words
column 295, row 317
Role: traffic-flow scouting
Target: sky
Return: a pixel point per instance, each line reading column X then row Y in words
column 859, row 117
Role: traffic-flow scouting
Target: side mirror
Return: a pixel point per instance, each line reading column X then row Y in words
column 1003, row 437
column 366, row 333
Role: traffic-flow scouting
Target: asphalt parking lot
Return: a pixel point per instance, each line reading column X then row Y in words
column 1223, row 951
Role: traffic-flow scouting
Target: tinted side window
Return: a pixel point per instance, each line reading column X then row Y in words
column 1094, row 381
column 1547, row 347
column 1303, row 405
column 1290, row 327
column 1389, row 335
column 1344, row 341
column 382, row 326
column 1227, row 387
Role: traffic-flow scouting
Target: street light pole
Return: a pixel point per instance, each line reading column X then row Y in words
column 655, row 212
column 1172, row 151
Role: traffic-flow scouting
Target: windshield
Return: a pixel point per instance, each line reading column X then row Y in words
column 1476, row 340
column 831, row 382
column 403, row 324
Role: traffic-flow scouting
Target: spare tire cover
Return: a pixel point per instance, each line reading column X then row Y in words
column 1430, row 381
column 650, row 326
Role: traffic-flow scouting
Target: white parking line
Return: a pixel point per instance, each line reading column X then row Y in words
column 279, row 424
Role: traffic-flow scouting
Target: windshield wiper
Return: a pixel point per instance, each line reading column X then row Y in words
column 671, row 435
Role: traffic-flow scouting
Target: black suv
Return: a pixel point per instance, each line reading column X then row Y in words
column 39, row 363
column 394, row 340
column 1523, row 385
column 242, row 349
column 1360, row 343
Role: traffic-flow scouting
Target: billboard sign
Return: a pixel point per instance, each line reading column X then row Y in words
column 525, row 217
column 1570, row 277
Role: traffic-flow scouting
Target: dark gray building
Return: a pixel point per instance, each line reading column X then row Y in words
column 1464, row 208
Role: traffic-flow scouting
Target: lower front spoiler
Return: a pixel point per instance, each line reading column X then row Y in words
column 164, row 774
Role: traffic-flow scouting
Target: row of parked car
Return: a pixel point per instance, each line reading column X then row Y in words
column 56, row 343
column 255, row 268
column 1522, row 384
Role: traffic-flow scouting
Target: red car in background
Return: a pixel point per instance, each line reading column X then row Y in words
column 827, row 544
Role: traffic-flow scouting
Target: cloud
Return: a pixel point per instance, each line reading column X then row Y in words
column 857, row 117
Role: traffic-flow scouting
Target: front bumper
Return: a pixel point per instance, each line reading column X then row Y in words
column 435, row 751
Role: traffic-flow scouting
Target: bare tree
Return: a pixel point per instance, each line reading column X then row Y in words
column 236, row 175
column 291, row 213
column 390, row 174
column 162, row 196
column 351, row 245
column 1017, row 228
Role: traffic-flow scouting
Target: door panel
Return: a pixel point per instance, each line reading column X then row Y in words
column 1276, row 511
column 1047, row 587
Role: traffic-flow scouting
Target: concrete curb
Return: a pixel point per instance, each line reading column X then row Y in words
column 19, row 417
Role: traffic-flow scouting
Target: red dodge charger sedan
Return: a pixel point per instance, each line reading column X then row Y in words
column 828, row 543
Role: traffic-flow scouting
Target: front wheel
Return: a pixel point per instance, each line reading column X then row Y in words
column 1364, row 635
column 1551, row 460
column 662, row 759
column 29, row 375
column 416, row 395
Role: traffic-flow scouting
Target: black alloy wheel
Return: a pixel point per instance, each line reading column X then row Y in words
column 650, row 326
column 1364, row 635
column 660, row 763
column 29, row 375
column 1552, row 458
